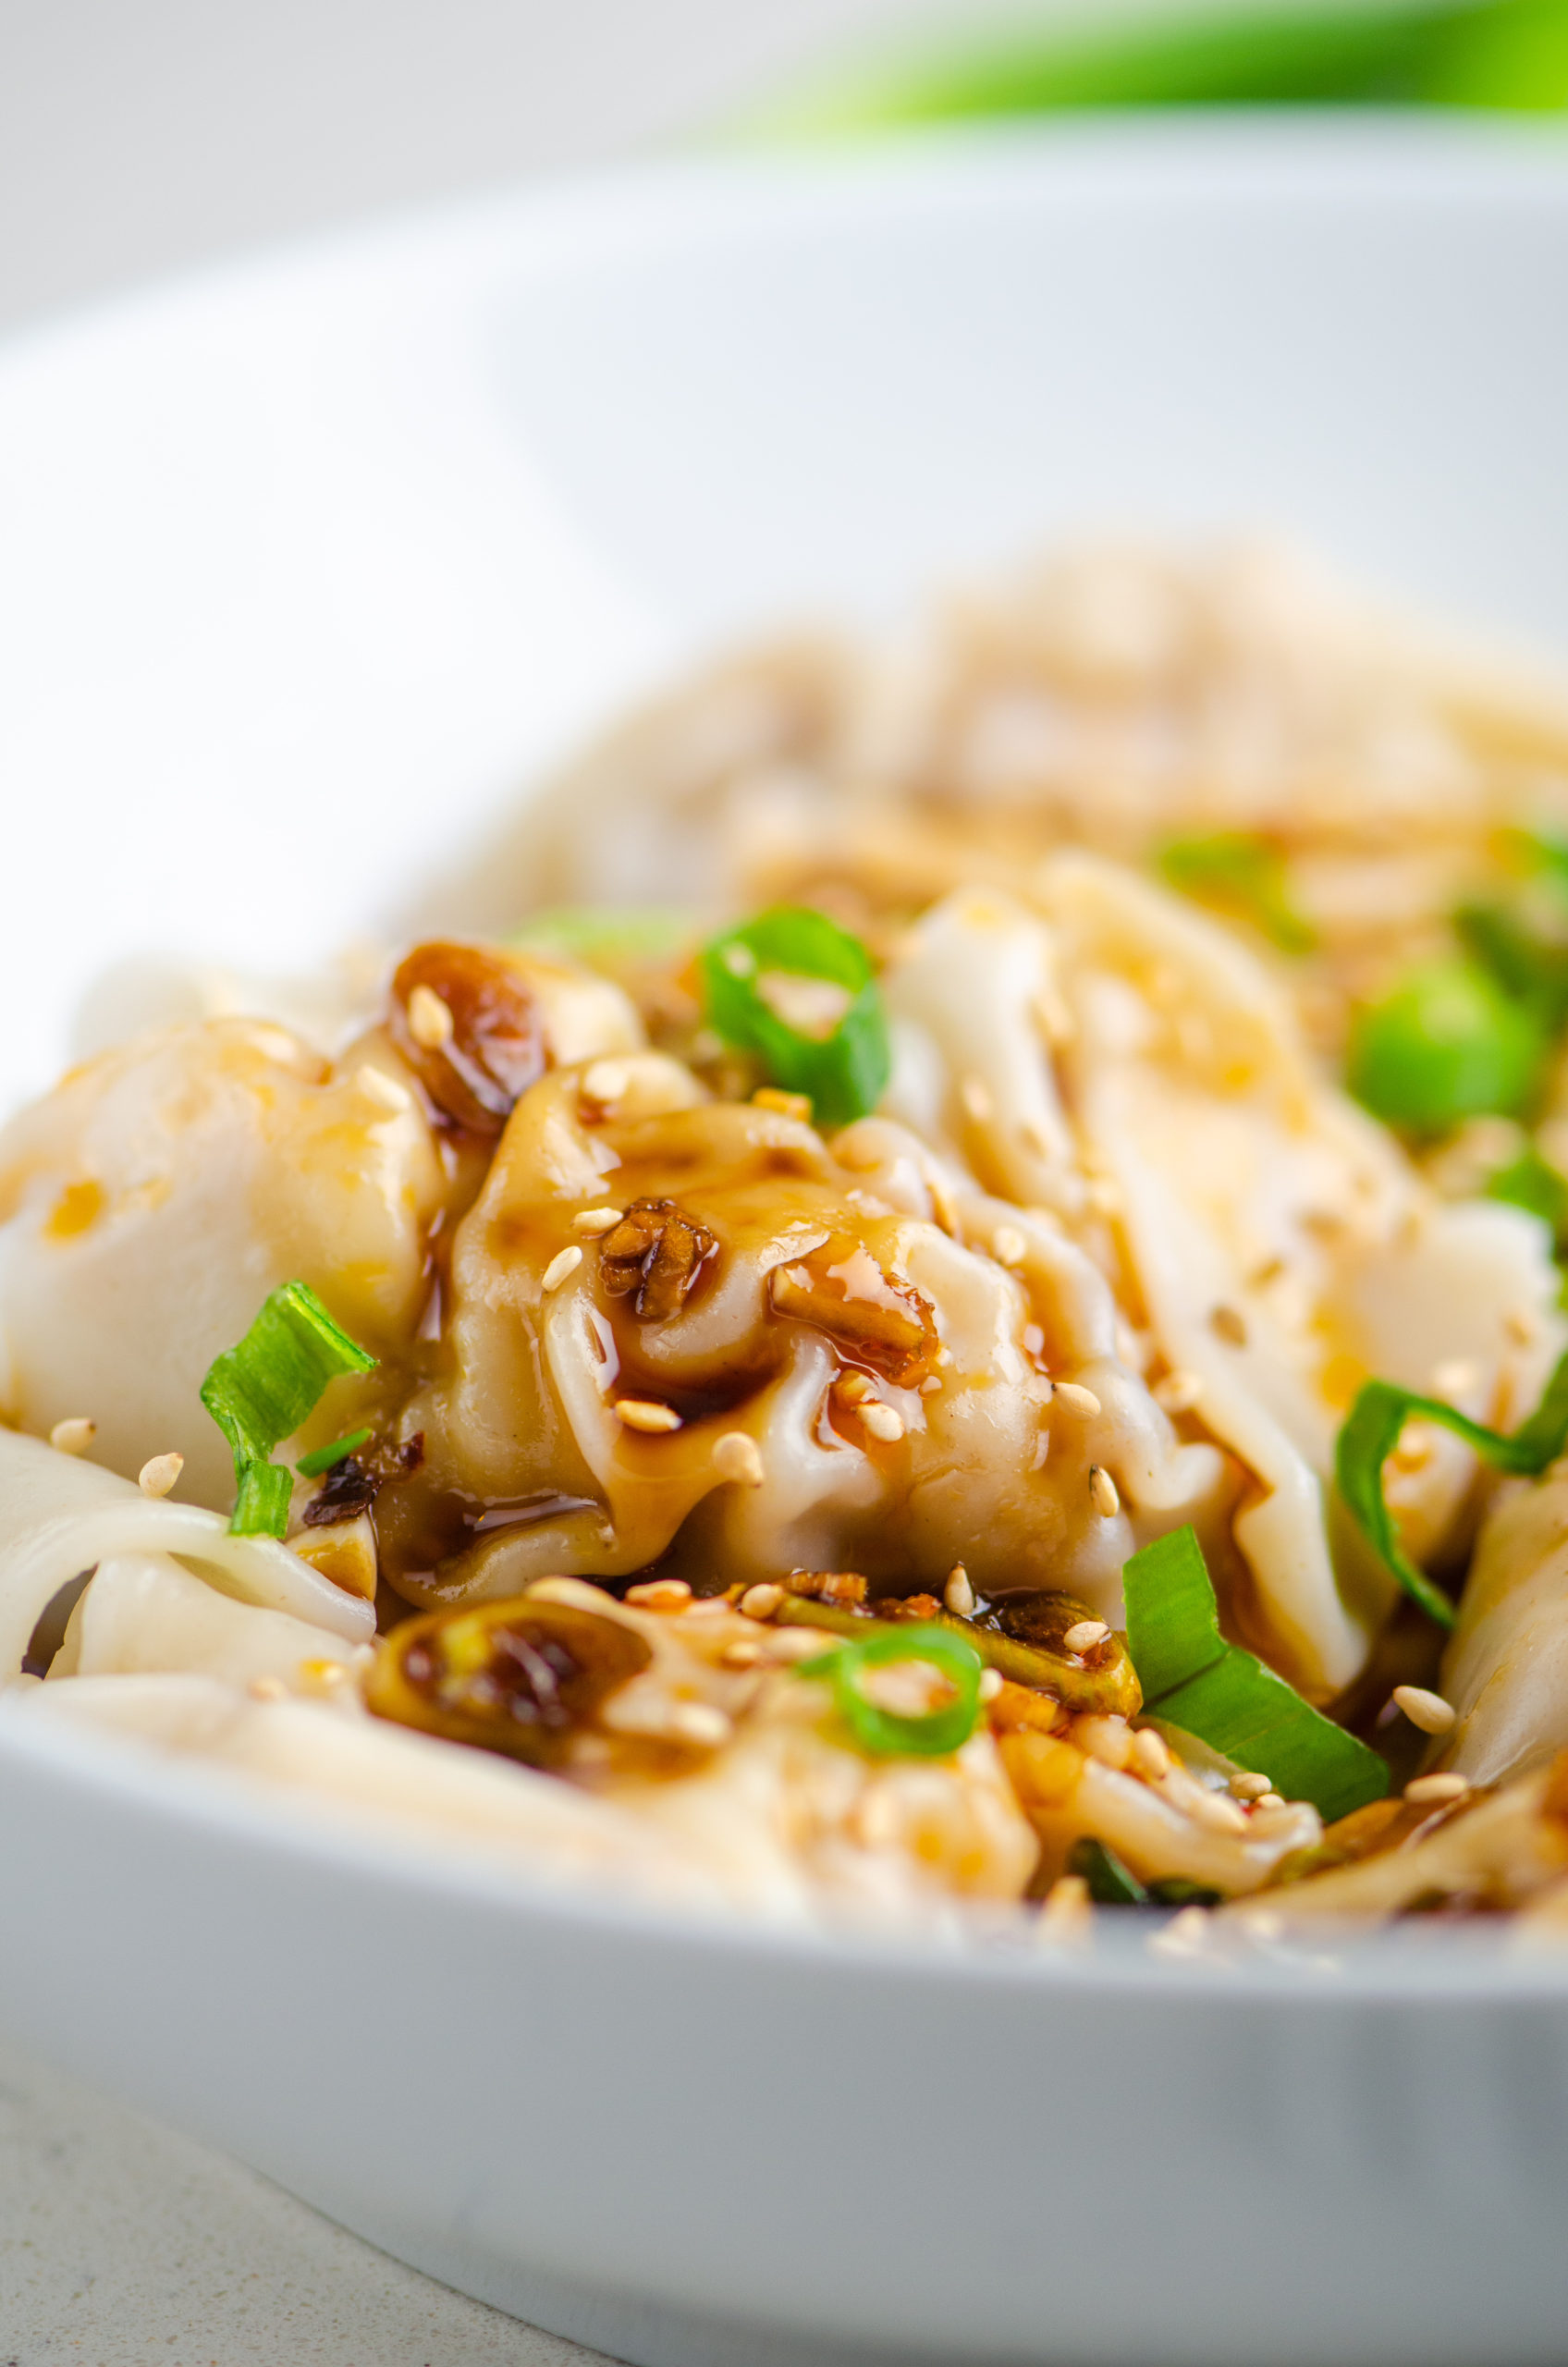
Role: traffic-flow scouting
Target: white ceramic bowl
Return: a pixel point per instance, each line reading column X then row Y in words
column 301, row 567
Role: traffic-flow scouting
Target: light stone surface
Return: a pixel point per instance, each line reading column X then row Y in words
column 122, row 2244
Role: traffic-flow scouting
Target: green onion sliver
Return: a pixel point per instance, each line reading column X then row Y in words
column 1241, row 874
column 259, row 1391
column 882, row 1731
column 1371, row 1432
column 1446, row 1043
column 844, row 1070
column 1225, row 1695
column 1531, row 1182
column 610, row 933
column 326, row 1458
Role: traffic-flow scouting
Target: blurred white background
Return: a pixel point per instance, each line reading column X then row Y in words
column 140, row 135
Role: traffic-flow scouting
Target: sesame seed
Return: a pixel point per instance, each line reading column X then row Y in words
column 958, row 1594
column 592, row 1221
column 1250, row 1787
column 741, row 1654
column 1183, row 1935
column 793, row 1643
column 761, row 1602
column 323, row 1675
column 699, row 1723
column 1102, row 1489
column 1151, row 1754
column 991, row 1682
column 1269, row 1800
column 1068, row 1907
column 884, row 1422
column 639, row 1415
column 738, row 960
column 606, row 1081
column 267, row 1688
column 1008, row 1245
column 975, row 1097
column 1453, row 1378
column 1431, row 1791
column 1229, row 1324
column 1086, row 1635
column 659, row 1594
column 74, row 1435
column 376, row 1085
column 783, row 1105
column 1108, row 1739
column 1076, row 1398
column 1428, row 1710
column 430, row 1020
column 563, row 1264
column 157, row 1476
column 738, row 1457
column 1177, row 1392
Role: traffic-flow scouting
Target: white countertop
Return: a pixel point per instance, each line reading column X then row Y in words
column 121, row 2243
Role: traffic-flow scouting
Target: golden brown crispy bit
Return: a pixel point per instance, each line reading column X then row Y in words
column 654, row 1257
column 1018, row 1709
column 463, row 1019
column 875, row 1318
column 828, row 1586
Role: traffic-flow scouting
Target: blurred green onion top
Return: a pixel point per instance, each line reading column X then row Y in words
column 1500, row 54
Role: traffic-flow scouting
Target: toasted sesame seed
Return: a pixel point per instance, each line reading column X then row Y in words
column 322, row 1675
column 741, row 1654
column 709, row 1606
column 1177, row 1392
column 991, row 1683
column 1151, row 1754
column 606, row 1081
column 267, row 1688
column 1109, row 1739
column 1068, row 1907
column 1086, row 1635
column 884, row 1422
column 1184, row 1935
column 699, row 1723
column 1250, row 1787
column 738, row 1457
column 1453, row 1377
column 74, row 1435
column 562, row 1265
column 761, row 1602
column 1227, row 1323
column 1076, row 1398
column 592, row 1221
column 430, row 1020
column 157, row 1476
column 376, row 1085
column 1269, row 1800
column 975, row 1096
column 1102, row 1489
column 1428, row 1710
column 659, row 1594
column 1431, row 1791
column 1008, row 1245
column 958, row 1594
column 793, row 1643
column 637, row 1414
column 783, row 1105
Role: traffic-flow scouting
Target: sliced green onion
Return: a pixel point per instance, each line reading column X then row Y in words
column 1446, row 1043
column 1177, row 1891
column 260, row 1390
column 1526, row 964
column 1226, row 1696
column 1241, row 873
column 326, row 1458
column 881, row 1732
column 1533, row 1183
column 1109, row 1883
column 1371, row 1432
column 843, row 1072
column 608, row 932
